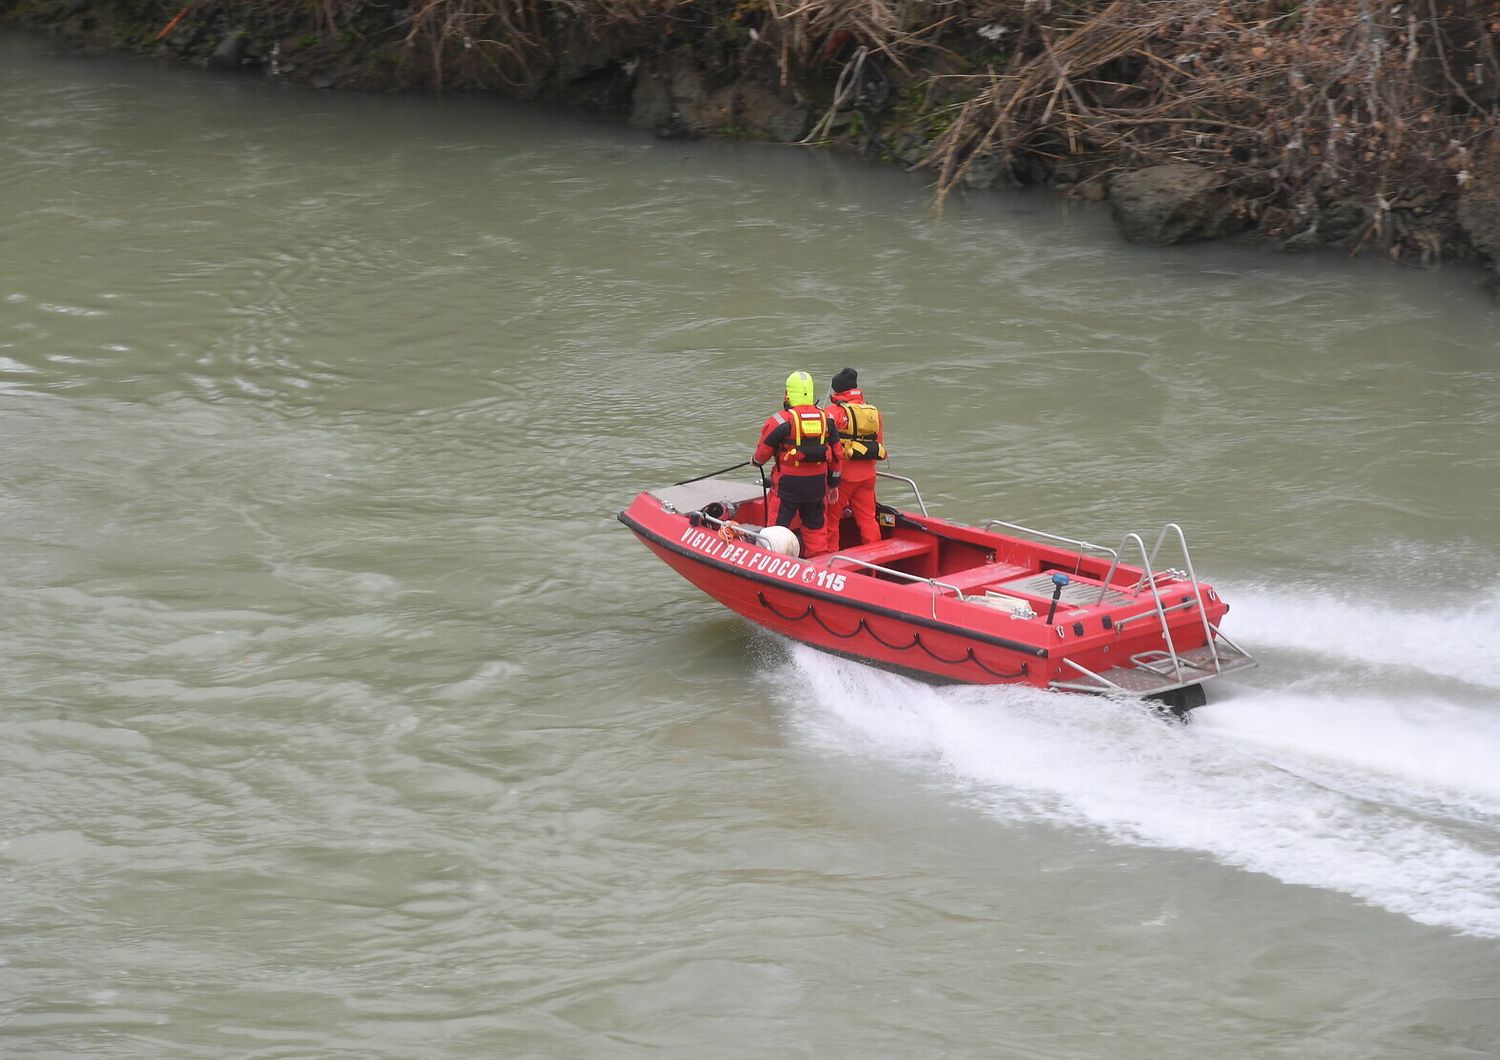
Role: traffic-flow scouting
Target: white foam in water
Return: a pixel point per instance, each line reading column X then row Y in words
column 1457, row 644
column 1393, row 802
column 1438, row 757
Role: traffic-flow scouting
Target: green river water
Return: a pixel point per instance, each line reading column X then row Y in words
column 343, row 719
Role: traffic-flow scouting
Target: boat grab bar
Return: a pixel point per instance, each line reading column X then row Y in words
column 902, row 478
column 1104, row 681
column 1150, row 581
column 1192, row 577
column 1186, row 605
column 1050, row 536
column 913, row 578
column 740, row 528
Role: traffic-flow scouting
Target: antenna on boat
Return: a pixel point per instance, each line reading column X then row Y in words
column 1059, row 579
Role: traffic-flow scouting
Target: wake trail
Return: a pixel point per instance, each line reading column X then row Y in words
column 1392, row 802
column 1357, row 635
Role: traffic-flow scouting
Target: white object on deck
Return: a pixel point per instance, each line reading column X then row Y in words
column 781, row 539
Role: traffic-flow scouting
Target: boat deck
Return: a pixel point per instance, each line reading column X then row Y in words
column 1077, row 593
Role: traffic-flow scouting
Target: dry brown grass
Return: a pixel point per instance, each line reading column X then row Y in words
column 1375, row 103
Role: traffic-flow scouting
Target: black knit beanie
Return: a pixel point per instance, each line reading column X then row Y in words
column 847, row 379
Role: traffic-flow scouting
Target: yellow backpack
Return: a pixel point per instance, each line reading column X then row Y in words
column 862, row 440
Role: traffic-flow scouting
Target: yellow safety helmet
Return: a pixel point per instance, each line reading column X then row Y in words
column 799, row 389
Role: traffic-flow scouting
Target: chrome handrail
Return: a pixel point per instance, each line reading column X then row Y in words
column 902, row 478
column 1227, row 640
column 741, row 529
column 1161, row 611
column 898, row 573
column 1106, row 682
column 1049, row 536
column 1123, row 622
column 1192, row 575
column 1056, row 537
column 1149, row 580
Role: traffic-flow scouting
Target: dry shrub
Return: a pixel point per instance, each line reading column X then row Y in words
column 1372, row 103
column 478, row 43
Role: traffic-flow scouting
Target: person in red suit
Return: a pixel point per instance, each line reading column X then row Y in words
column 863, row 440
column 804, row 443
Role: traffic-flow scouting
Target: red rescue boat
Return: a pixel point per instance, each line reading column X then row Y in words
column 994, row 604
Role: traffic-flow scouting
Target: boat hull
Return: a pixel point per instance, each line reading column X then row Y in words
column 900, row 603
column 783, row 595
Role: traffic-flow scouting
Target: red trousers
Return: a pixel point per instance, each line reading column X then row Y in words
column 858, row 496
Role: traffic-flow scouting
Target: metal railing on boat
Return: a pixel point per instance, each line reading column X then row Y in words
column 1207, row 661
column 934, row 583
column 755, row 533
column 902, row 478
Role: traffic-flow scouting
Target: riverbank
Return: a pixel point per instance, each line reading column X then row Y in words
column 1367, row 127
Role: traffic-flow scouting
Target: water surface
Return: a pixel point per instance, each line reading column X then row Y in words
column 343, row 719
